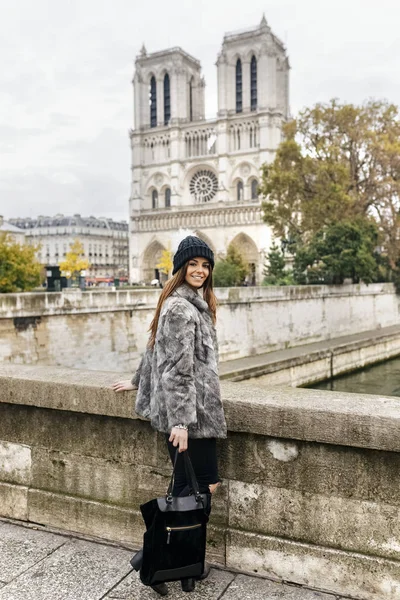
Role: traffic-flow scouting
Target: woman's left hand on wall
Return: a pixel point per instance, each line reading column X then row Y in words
column 123, row 386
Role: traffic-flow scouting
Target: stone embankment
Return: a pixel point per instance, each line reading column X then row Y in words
column 109, row 330
column 315, row 362
column 310, row 492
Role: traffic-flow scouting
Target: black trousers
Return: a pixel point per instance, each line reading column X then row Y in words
column 203, row 455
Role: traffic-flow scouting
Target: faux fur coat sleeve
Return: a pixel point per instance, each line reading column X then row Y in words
column 176, row 346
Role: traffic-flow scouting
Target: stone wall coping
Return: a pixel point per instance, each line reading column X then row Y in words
column 51, row 303
column 355, row 420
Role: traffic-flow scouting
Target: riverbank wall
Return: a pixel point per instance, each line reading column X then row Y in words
column 320, row 361
column 108, row 329
column 310, row 478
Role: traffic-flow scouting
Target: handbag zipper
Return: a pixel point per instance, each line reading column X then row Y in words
column 169, row 529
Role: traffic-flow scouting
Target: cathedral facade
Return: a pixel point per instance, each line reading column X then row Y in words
column 203, row 175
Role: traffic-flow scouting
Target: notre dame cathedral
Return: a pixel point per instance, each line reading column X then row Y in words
column 202, row 175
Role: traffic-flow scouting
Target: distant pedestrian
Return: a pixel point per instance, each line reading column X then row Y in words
column 177, row 379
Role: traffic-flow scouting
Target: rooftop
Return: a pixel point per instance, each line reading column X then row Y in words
column 61, row 220
column 144, row 56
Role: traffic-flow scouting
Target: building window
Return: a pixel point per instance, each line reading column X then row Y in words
column 153, row 102
column 239, row 191
column 154, row 199
column 191, row 99
column 203, row 186
column 168, row 198
column 253, row 83
column 239, row 103
column 167, row 100
column 254, row 189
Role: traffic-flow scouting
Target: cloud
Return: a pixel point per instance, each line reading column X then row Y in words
column 66, row 94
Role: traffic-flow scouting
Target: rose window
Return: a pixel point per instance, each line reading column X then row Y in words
column 203, row 186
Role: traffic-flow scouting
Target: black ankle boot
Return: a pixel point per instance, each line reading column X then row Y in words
column 188, row 584
column 160, row 588
column 136, row 560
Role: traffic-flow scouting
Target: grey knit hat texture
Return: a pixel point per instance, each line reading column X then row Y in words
column 191, row 247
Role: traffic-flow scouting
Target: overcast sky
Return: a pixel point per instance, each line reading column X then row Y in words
column 66, row 68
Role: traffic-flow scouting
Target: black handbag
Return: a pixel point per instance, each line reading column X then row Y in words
column 174, row 544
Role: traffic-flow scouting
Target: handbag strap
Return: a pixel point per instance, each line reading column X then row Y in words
column 168, row 495
column 190, row 474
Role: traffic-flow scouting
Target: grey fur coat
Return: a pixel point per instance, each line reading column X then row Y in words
column 178, row 379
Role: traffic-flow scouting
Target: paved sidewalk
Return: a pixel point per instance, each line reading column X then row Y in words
column 39, row 565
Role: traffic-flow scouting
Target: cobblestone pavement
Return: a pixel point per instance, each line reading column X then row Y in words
column 40, row 565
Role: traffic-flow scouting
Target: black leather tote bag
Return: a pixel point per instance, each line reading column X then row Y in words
column 175, row 539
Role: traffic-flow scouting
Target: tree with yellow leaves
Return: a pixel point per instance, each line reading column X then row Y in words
column 75, row 261
column 19, row 269
column 166, row 263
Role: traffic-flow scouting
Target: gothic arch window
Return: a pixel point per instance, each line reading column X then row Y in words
column 191, row 99
column 254, row 189
column 167, row 99
column 253, row 83
column 153, row 102
column 154, row 199
column 239, row 191
column 239, row 86
column 167, row 197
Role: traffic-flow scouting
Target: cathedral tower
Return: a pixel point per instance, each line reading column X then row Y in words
column 203, row 175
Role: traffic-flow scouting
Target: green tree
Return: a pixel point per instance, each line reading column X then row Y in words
column 19, row 269
column 75, row 261
column 339, row 251
column 232, row 270
column 337, row 162
column 275, row 272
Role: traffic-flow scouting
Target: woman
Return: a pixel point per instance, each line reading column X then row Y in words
column 177, row 379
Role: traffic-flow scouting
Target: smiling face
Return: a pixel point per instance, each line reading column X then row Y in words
column 198, row 269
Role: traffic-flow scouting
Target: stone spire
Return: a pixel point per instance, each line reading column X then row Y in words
column 263, row 22
column 143, row 51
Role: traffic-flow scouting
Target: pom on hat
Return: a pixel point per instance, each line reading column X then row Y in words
column 191, row 247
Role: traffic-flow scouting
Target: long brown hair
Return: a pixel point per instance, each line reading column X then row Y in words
column 172, row 284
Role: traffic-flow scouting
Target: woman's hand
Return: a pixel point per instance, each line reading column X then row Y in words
column 123, row 386
column 179, row 437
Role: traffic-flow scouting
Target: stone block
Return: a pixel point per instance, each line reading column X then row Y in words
column 15, row 463
column 14, row 501
column 325, row 569
column 125, row 440
column 327, row 521
column 354, row 420
column 216, row 543
column 303, row 467
column 59, row 388
column 78, row 569
column 22, row 547
column 88, row 517
column 95, row 478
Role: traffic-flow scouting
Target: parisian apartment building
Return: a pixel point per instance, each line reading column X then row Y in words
column 105, row 242
column 203, row 175
column 13, row 233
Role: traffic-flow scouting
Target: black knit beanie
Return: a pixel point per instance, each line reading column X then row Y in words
column 191, row 247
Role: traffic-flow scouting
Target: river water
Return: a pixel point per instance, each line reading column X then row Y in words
column 382, row 379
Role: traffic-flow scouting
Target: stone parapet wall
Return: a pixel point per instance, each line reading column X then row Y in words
column 310, row 478
column 108, row 330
